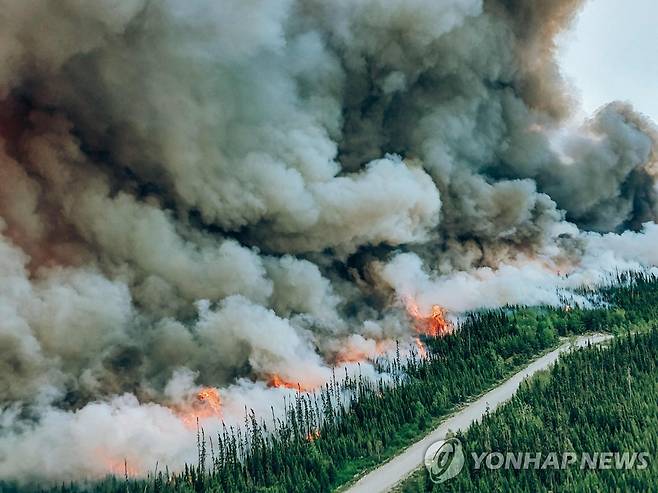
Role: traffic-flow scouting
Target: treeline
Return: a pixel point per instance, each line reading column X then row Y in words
column 327, row 437
column 593, row 400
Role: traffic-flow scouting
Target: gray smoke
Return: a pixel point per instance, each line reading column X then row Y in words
column 211, row 193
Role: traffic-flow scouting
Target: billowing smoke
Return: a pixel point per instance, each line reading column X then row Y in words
column 233, row 194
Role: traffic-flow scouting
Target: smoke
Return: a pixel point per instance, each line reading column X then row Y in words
column 217, row 193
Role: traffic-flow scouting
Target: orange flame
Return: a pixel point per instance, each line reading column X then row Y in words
column 206, row 404
column 422, row 351
column 435, row 324
column 313, row 436
column 277, row 381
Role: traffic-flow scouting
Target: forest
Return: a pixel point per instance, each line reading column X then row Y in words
column 594, row 400
column 328, row 437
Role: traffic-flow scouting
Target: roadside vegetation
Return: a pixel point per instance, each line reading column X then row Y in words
column 594, row 400
column 353, row 424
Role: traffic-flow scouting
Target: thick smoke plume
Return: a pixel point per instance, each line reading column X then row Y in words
column 231, row 194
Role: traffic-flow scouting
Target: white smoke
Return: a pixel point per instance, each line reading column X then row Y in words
column 214, row 193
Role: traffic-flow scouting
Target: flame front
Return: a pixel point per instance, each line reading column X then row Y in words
column 210, row 397
column 278, row 381
column 206, row 404
column 435, row 324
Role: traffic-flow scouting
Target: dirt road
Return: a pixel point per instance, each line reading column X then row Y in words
column 392, row 472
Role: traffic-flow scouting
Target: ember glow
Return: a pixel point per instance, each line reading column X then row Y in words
column 277, row 381
column 312, row 436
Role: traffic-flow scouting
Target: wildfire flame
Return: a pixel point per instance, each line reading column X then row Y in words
column 277, row 381
column 210, row 396
column 206, row 404
column 434, row 325
column 313, row 435
column 422, row 351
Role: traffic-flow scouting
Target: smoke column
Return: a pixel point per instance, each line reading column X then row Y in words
column 229, row 194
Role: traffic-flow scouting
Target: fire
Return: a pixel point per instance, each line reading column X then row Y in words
column 277, row 381
column 313, row 435
column 422, row 351
column 210, row 397
column 206, row 404
column 435, row 324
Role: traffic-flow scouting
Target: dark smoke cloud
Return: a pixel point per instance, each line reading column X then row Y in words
column 213, row 192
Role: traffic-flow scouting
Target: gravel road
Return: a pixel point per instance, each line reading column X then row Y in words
column 398, row 468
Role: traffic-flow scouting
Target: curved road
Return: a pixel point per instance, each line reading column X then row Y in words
column 386, row 476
